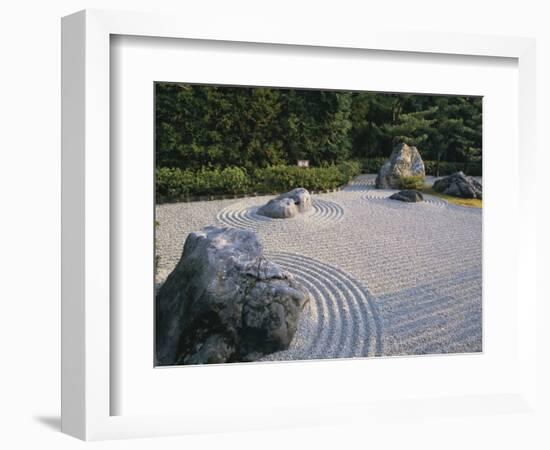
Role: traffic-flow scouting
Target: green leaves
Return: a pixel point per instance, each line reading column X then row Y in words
column 414, row 182
column 221, row 126
column 441, row 126
column 218, row 127
column 174, row 184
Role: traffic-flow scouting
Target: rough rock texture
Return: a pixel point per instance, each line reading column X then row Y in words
column 459, row 185
column 287, row 205
column 279, row 208
column 225, row 302
column 405, row 161
column 301, row 197
column 409, row 195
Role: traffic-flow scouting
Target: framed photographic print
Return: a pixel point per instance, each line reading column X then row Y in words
column 259, row 229
column 278, row 266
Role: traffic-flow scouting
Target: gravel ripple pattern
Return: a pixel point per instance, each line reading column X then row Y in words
column 340, row 319
column 242, row 215
column 386, row 278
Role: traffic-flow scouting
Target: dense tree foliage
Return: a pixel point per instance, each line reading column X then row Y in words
column 447, row 128
column 218, row 127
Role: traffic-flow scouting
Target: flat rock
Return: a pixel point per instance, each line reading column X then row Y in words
column 225, row 302
column 409, row 195
column 459, row 185
column 405, row 161
column 287, row 205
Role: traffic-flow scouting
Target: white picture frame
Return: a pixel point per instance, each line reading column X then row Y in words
column 86, row 223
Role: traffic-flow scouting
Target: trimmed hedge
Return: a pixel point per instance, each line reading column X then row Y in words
column 285, row 178
column 373, row 165
column 173, row 184
column 350, row 169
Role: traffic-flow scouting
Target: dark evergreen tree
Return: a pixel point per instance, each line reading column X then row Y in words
column 221, row 126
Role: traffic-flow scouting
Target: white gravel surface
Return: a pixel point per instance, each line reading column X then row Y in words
column 386, row 277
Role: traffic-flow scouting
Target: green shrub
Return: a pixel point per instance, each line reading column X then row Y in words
column 350, row 169
column 206, row 182
column 173, row 184
column 414, row 182
column 234, row 180
column 285, row 178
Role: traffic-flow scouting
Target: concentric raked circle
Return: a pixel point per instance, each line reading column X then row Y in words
column 339, row 320
column 239, row 215
column 384, row 195
column 361, row 183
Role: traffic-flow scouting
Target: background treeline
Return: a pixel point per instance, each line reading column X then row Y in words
column 212, row 128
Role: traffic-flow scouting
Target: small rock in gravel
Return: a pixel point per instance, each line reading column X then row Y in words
column 409, row 195
column 287, row 205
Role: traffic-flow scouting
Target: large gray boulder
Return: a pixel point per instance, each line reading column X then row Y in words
column 225, row 302
column 408, row 195
column 405, row 161
column 287, row 205
column 459, row 185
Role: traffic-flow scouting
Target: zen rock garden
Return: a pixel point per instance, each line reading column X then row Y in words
column 225, row 301
column 309, row 224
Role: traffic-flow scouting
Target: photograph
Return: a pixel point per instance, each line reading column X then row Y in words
column 297, row 224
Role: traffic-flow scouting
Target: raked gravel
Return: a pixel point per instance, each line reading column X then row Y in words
column 385, row 277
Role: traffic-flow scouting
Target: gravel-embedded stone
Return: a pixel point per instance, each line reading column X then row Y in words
column 279, row 208
column 225, row 302
column 408, row 195
column 301, row 198
column 287, row 205
column 405, row 161
column 459, row 185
